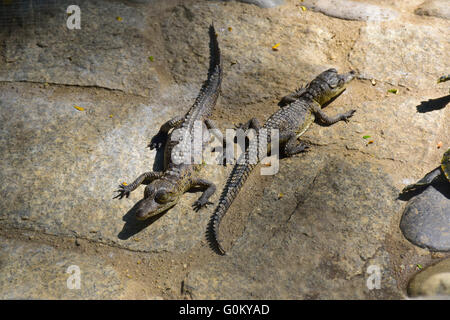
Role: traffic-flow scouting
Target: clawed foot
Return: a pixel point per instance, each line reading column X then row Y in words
column 348, row 115
column 302, row 147
column 123, row 191
column 158, row 141
column 200, row 204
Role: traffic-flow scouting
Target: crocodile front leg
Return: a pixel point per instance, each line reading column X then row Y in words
column 145, row 178
column 322, row 116
column 161, row 137
column 209, row 189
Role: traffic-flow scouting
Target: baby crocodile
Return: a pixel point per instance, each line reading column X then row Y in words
column 298, row 111
column 163, row 189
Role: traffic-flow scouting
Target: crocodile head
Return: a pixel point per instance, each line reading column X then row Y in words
column 158, row 197
column 329, row 85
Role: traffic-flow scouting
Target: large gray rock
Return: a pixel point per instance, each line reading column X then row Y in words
column 62, row 166
column 351, row 10
column 426, row 219
column 309, row 232
column 38, row 271
column 432, row 282
column 316, row 242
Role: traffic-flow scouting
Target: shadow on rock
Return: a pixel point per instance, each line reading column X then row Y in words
column 132, row 225
column 433, row 104
column 158, row 164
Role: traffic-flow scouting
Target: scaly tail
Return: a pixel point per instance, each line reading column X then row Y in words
column 234, row 183
column 207, row 98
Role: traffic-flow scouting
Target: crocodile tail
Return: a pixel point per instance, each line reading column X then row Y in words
column 207, row 98
column 234, row 183
column 215, row 60
column 214, row 80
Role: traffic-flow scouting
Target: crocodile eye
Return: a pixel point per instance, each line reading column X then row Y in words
column 149, row 190
column 162, row 196
column 341, row 82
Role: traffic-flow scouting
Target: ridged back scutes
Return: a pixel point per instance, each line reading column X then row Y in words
column 234, row 183
column 209, row 92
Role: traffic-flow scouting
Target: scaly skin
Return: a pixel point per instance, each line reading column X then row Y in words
column 164, row 189
column 298, row 112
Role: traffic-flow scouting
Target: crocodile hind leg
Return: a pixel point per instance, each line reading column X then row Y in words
column 322, row 116
column 425, row 181
column 161, row 137
column 145, row 178
column 292, row 146
column 209, row 189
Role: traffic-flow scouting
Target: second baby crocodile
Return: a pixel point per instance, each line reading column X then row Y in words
column 298, row 111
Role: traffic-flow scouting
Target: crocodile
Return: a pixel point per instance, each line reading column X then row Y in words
column 164, row 188
column 298, row 111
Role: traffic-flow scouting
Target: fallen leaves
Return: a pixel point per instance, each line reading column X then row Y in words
column 394, row 91
column 275, row 47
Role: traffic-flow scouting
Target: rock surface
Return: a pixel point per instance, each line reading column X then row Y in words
column 320, row 237
column 426, row 219
column 434, row 281
column 111, row 49
column 311, row 231
column 262, row 3
column 414, row 55
column 351, row 10
column 63, row 166
column 31, row 271
column 436, row 8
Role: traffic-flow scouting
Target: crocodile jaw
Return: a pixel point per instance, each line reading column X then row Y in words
column 148, row 207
